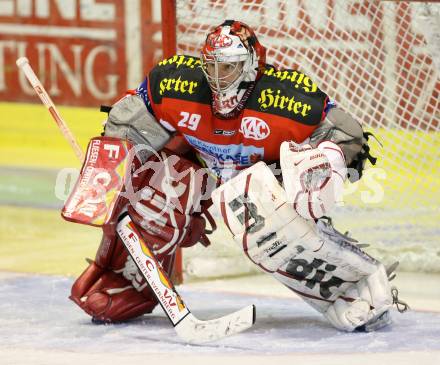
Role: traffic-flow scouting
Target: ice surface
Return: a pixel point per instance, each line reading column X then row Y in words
column 36, row 314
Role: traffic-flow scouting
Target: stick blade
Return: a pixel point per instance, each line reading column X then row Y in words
column 195, row 331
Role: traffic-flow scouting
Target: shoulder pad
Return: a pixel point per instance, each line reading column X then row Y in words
column 179, row 77
column 130, row 119
column 290, row 94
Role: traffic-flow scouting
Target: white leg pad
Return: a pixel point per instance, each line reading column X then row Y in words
column 334, row 276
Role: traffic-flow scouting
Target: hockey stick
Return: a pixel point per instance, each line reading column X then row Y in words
column 23, row 64
column 188, row 327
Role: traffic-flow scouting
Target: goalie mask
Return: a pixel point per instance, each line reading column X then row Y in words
column 232, row 60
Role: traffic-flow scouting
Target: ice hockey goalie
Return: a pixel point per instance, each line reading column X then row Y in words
column 231, row 114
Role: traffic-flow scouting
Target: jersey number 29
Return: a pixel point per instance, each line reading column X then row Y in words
column 190, row 121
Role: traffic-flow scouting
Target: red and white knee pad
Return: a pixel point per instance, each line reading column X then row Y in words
column 111, row 289
column 164, row 200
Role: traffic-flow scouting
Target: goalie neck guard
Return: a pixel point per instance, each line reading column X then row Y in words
column 232, row 60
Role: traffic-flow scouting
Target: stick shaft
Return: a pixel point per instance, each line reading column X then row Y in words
column 24, row 65
column 188, row 327
column 149, row 267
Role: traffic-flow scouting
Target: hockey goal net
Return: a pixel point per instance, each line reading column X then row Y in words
column 380, row 61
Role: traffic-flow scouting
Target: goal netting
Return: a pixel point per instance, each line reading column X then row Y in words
column 380, row 61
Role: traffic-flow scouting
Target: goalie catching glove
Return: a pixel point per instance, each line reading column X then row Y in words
column 332, row 274
column 313, row 177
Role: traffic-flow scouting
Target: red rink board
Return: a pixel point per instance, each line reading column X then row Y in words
column 84, row 52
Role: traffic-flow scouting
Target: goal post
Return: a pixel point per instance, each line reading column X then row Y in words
column 168, row 14
column 379, row 60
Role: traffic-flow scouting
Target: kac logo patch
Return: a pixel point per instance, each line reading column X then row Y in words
column 219, row 40
column 254, row 128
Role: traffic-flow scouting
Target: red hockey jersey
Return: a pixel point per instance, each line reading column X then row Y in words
column 284, row 105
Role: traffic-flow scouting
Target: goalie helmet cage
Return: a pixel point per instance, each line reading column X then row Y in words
column 380, row 61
